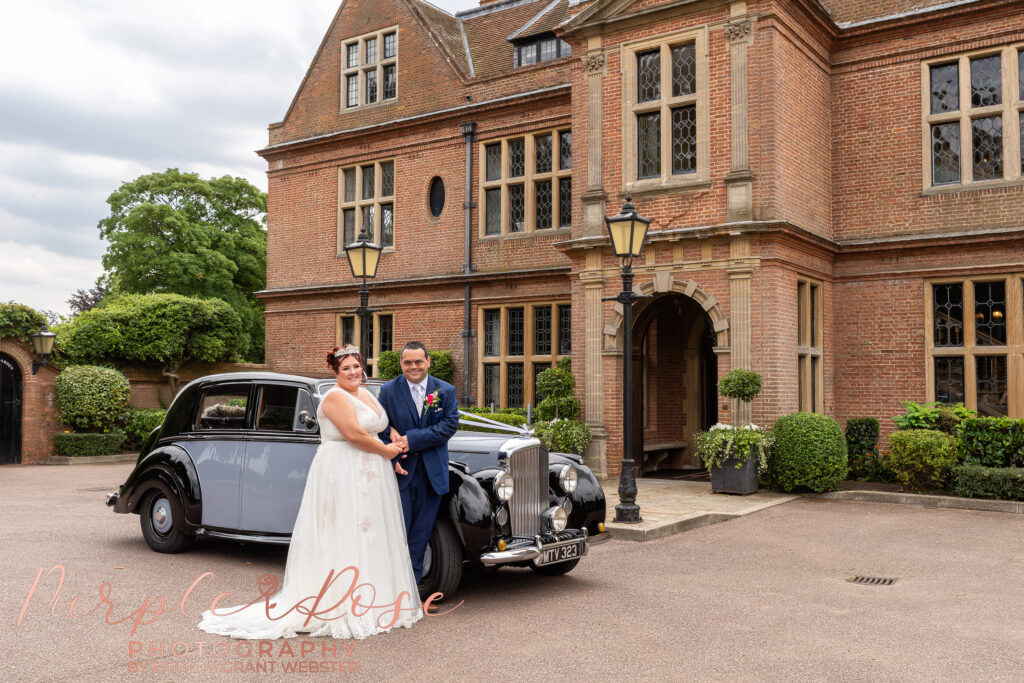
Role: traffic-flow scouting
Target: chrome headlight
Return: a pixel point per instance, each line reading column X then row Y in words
column 503, row 486
column 501, row 516
column 556, row 518
column 568, row 478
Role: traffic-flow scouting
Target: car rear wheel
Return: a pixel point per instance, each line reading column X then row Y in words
column 163, row 523
column 555, row 569
column 442, row 562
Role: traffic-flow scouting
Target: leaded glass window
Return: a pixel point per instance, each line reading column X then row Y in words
column 949, row 379
column 565, row 149
column 370, row 69
column 987, row 144
column 648, row 145
column 387, row 225
column 515, row 332
column 368, row 223
column 648, row 76
column 387, row 179
column 493, row 210
column 516, row 208
column 492, row 332
column 348, row 330
column 990, row 313
column 564, row 330
column 542, row 203
column 986, row 81
column 493, row 153
column 516, row 157
column 945, row 88
column 514, row 380
column 351, row 90
column 548, row 49
column 350, row 184
column 371, row 50
column 684, row 70
column 945, row 153
column 390, row 45
column 368, row 182
column 349, row 229
column 684, row 139
column 387, row 327
column 371, row 87
column 352, row 55
column 542, row 330
column 542, row 152
column 564, row 202
column 540, row 48
column 492, row 385
column 390, row 82
column 362, row 208
column 992, row 389
column 948, row 308
column 809, row 349
column 537, row 369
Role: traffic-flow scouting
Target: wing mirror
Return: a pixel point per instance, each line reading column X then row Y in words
column 307, row 420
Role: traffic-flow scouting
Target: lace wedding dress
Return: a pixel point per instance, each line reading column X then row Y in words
column 350, row 516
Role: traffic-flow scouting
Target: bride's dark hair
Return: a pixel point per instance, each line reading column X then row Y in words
column 334, row 362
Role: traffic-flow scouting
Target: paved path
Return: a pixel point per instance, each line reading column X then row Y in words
column 762, row 598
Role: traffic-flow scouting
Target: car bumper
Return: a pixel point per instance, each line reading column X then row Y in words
column 524, row 550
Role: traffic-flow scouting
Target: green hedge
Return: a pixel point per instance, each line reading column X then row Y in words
column 389, row 365
column 991, row 441
column 809, row 453
column 922, row 458
column 19, row 321
column 865, row 463
column 138, row 423
column 516, row 419
column 939, row 416
column 78, row 444
column 563, row 436
column 92, row 397
column 975, row 481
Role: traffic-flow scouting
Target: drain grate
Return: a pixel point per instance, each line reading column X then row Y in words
column 871, row 580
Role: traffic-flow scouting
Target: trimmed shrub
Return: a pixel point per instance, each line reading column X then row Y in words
column 509, row 418
column 922, row 458
column 991, row 441
column 138, row 423
column 975, row 481
column 563, row 436
column 809, row 452
column 742, row 384
column 939, row 416
column 389, row 364
column 19, row 321
column 92, row 397
column 77, row 444
column 441, row 365
column 555, row 393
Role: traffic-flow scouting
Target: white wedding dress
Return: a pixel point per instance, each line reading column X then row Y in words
column 350, row 516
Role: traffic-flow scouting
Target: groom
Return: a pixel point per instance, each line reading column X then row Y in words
column 423, row 410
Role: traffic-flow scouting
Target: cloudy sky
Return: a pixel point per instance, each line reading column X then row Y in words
column 97, row 92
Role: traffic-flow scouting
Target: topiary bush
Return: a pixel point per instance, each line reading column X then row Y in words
column 19, row 321
column 975, row 481
column 389, row 364
column 563, row 436
column 76, row 444
column 138, row 423
column 865, row 463
column 555, row 393
column 809, row 453
column 991, row 441
column 922, row 458
column 92, row 398
column 744, row 385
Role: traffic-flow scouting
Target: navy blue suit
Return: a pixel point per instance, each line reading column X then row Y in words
column 427, row 460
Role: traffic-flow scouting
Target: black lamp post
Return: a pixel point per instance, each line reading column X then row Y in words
column 628, row 232
column 363, row 257
column 42, row 344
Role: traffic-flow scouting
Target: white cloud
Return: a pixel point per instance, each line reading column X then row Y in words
column 41, row 278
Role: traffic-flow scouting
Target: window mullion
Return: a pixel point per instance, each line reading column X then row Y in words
column 964, row 76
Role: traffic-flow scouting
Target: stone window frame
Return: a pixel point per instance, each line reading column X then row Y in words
column 362, row 68
column 630, row 110
column 1011, row 109
column 970, row 350
column 528, row 358
column 810, row 343
column 340, row 339
column 529, row 179
column 358, row 203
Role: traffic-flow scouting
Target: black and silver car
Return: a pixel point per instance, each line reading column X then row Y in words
column 231, row 457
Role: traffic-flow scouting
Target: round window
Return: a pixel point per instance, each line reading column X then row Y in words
column 436, row 196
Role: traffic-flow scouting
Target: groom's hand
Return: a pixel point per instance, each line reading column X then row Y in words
column 399, row 469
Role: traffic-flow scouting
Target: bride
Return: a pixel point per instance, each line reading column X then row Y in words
column 349, row 536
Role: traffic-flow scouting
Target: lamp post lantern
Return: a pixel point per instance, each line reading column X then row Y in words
column 628, row 232
column 363, row 258
column 42, row 344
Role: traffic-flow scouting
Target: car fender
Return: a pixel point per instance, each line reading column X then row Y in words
column 588, row 500
column 469, row 508
column 169, row 469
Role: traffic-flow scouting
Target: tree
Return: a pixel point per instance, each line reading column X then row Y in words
column 175, row 232
column 19, row 321
column 155, row 328
column 87, row 299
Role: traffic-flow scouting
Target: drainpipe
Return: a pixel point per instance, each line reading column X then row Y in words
column 469, row 135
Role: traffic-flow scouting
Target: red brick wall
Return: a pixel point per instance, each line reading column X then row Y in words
column 40, row 416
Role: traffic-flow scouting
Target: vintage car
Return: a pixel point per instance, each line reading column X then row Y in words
column 231, row 457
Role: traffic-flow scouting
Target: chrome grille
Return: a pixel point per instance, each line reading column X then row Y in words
column 529, row 468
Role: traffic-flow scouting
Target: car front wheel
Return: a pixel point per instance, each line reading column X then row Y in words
column 163, row 523
column 442, row 562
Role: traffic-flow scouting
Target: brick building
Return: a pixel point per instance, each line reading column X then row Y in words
column 835, row 188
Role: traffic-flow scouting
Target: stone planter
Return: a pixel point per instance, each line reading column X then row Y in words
column 728, row 479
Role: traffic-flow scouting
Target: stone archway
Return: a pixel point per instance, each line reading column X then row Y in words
column 665, row 282
column 11, row 393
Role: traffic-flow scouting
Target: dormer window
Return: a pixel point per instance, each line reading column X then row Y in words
column 540, row 48
column 370, row 73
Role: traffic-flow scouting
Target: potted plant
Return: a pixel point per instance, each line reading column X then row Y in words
column 736, row 456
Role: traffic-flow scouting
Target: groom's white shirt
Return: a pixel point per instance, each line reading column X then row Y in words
column 419, row 392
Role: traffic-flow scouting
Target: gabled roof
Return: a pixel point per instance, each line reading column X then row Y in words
column 447, row 29
column 846, row 12
column 545, row 21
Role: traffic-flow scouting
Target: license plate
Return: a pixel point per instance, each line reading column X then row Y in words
column 562, row 553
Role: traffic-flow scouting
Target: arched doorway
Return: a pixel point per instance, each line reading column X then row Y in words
column 676, row 387
column 10, row 410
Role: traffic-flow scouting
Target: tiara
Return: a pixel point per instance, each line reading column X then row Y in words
column 346, row 350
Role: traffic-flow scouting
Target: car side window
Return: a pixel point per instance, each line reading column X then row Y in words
column 223, row 408
column 277, row 409
column 305, row 414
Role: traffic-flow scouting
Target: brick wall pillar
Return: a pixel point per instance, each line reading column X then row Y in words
column 40, row 417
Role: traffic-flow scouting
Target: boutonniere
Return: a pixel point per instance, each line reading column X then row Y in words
column 432, row 400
